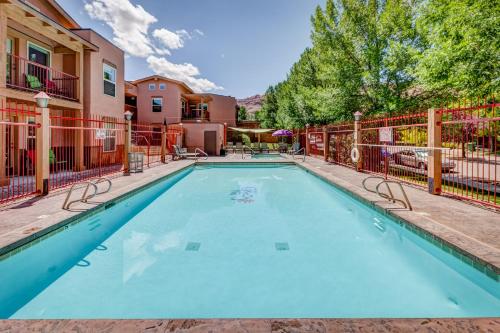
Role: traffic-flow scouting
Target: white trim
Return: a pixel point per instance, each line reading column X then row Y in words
column 104, row 65
column 28, row 43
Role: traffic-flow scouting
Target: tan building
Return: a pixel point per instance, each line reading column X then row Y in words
column 43, row 49
column 203, row 116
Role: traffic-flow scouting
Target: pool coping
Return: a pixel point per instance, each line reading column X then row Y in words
column 370, row 325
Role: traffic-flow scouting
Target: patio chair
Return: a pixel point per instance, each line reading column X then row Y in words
column 238, row 147
column 264, row 147
column 182, row 154
column 295, row 148
column 230, row 146
column 254, row 146
column 283, row 147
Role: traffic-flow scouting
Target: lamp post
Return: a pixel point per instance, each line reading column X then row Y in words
column 128, row 136
column 42, row 143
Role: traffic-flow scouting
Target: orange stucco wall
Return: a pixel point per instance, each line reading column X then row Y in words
column 95, row 101
column 171, row 110
column 222, row 109
column 194, row 135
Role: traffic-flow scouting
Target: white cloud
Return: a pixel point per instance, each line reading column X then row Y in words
column 172, row 40
column 187, row 73
column 130, row 24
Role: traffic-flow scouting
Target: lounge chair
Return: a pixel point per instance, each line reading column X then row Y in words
column 264, row 147
column 182, row 154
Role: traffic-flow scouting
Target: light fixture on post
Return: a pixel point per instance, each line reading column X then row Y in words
column 357, row 115
column 128, row 115
column 42, row 99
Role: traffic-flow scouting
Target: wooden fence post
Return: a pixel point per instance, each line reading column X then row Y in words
column 163, row 144
column 42, row 150
column 358, row 140
column 126, row 150
column 434, row 167
column 326, row 144
column 308, row 146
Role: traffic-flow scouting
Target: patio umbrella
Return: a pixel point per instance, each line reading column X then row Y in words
column 283, row 132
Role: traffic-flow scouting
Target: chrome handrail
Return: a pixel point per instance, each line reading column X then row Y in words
column 406, row 203
column 297, row 152
column 252, row 152
column 199, row 151
column 390, row 196
column 85, row 197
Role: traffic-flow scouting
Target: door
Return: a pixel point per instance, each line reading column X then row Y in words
column 211, row 142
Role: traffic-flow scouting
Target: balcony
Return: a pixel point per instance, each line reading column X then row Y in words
column 26, row 75
column 199, row 115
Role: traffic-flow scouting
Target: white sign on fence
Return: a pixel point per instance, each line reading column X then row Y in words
column 385, row 134
column 100, row 134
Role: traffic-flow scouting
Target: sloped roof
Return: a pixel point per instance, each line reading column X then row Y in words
column 159, row 77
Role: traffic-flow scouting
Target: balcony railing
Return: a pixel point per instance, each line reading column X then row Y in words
column 196, row 114
column 26, row 75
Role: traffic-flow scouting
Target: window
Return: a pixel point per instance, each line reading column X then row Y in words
column 152, row 87
column 162, row 86
column 109, row 76
column 109, row 144
column 183, row 108
column 156, row 104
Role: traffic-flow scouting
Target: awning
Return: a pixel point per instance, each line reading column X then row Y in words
column 251, row 130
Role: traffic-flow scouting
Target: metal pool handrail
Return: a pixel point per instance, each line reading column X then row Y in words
column 199, row 151
column 84, row 198
column 297, row 152
column 252, row 152
column 406, row 202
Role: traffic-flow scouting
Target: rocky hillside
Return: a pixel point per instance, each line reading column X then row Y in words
column 252, row 104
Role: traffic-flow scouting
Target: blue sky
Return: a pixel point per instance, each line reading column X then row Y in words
column 242, row 46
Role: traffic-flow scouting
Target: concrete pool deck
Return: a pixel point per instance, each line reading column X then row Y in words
column 474, row 230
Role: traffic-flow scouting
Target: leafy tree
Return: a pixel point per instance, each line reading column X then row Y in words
column 462, row 39
column 267, row 115
column 242, row 113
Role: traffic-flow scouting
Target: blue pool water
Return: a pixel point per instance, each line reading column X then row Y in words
column 219, row 242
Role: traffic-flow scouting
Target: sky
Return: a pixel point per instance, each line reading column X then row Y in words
column 229, row 47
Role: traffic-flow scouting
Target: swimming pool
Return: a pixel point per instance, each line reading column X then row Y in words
column 243, row 241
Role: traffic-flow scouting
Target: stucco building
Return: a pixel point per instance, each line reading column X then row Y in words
column 204, row 117
column 42, row 48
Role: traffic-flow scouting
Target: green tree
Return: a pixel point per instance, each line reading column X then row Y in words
column 462, row 39
column 242, row 113
column 267, row 115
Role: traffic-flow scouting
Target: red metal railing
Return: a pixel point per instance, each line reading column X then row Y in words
column 470, row 154
column 23, row 74
column 17, row 151
column 82, row 148
column 471, row 134
column 146, row 139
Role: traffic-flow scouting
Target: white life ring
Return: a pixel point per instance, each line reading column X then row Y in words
column 354, row 154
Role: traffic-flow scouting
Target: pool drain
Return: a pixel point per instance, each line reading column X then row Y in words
column 281, row 246
column 193, row 246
